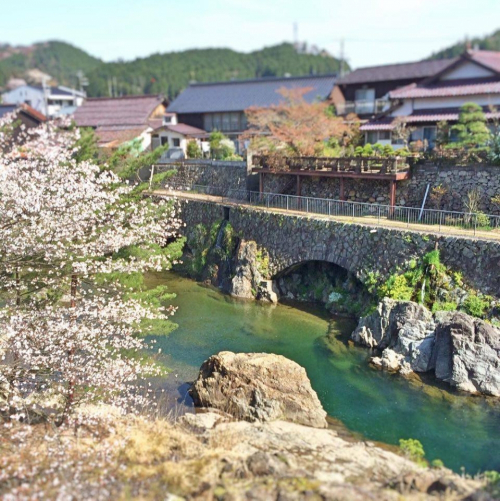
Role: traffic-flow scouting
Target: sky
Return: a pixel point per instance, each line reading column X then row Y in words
column 374, row 31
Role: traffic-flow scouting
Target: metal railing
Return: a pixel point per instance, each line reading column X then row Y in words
column 355, row 165
column 362, row 107
column 437, row 221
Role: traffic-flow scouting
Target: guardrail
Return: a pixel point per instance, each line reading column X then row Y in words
column 408, row 217
column 356, row 165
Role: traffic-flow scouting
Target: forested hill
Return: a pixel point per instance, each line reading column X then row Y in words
column 490, row 42
column 59, row 59
column 169, row 73
column 166, row 73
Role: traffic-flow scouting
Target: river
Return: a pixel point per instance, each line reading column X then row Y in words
column 461, row 430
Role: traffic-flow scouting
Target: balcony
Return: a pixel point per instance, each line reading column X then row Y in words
column 362, row 107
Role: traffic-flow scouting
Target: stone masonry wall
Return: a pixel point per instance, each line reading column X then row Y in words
column 222, row 176
column 458, row 181
column 360, row 249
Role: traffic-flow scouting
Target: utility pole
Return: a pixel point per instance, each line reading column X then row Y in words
column 296, row 34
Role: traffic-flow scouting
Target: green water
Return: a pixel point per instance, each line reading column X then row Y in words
column 463, row 431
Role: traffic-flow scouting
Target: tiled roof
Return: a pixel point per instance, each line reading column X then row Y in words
column 448, row 88
column 488, row 58
column 9, row 108
column 129, row 110
column 186, row 130
column 117, row 135
column 401, row 71
column 238, row 95
column 432, row 115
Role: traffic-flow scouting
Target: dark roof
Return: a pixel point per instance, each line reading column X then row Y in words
column 53, row 90
column 7, row 108
column 106, row 111
column 238, row 95
column 401, row 71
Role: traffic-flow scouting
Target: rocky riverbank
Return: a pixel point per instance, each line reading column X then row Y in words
column 460, row 350
column 259, row 435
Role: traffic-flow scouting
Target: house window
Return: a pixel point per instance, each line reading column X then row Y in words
column 164, row 140
column 235, row 121
column 374, row 136
column 430, row 136
column 244, row 123
column 365, row 101
column 176, row 142
column 217, row 121
column 208, row 123
column 226, row 122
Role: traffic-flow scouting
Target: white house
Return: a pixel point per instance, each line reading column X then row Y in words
column 51, row 101
column 177, row 136
column 472, row 77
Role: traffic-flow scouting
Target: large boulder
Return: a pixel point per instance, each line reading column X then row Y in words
column 394, row 324
column 467, row 353
column 461, row 350
column 246, row 277
column 258, row 387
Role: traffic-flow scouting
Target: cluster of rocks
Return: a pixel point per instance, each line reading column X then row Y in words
column 262, row 411
column 459, row 349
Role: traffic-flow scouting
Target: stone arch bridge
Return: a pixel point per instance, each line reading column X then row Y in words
column 360, row 249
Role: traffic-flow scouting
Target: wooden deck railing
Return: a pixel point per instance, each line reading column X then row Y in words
column 357, row 165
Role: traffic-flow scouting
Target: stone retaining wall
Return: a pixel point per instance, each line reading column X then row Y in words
column 220, row 175
column 458, row 181
column 360, row 249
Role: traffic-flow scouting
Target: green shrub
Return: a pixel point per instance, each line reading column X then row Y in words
column 193, row 150
column 437, row 463
column 444, row 306
column 477, row 305
column 482, row 220
column 414, row 450
column 396, row 287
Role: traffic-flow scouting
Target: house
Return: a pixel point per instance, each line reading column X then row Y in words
column 221, row 105
column 472, row 77
column 50, row 101
column 364, row 91
column 177, row 136
column 120, row 120
column 23, row 114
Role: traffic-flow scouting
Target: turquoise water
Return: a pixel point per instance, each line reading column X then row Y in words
column 461, row 430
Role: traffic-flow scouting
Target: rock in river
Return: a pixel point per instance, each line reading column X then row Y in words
column 258, row 387
column 461, row 350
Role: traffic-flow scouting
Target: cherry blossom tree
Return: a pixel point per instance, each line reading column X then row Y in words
column 72, row 238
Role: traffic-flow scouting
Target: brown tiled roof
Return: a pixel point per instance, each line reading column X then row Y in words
column 34, row 113
column 184, row 129
column 401, row 71
column 118, row 134
column 128, row 110
column 448, row 88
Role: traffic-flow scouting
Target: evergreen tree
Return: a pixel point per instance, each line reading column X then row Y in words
column 471, row 129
